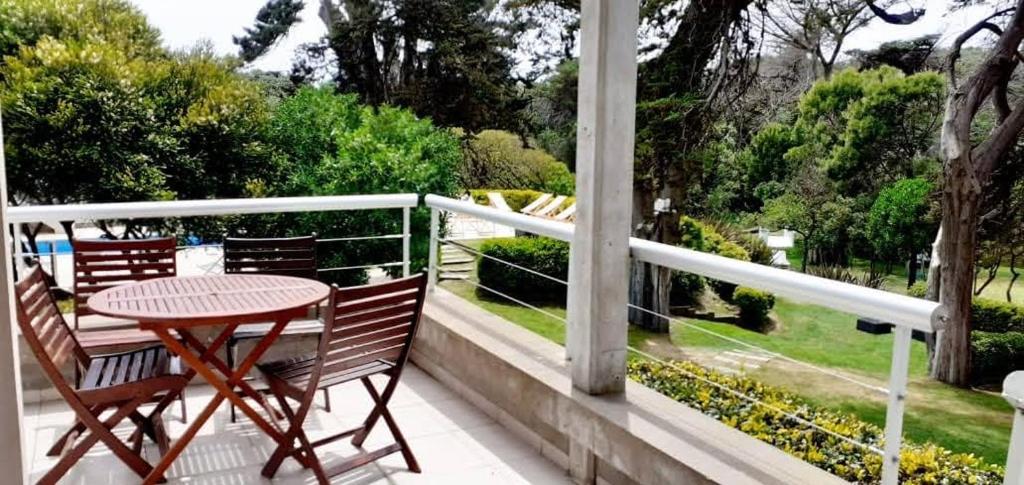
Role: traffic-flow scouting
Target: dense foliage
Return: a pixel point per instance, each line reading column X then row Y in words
column 995, row 355
column 332, row 145
column 897, row 224
column 96, row 111
column 543, row 255
column 698, row 388
column 496, row 158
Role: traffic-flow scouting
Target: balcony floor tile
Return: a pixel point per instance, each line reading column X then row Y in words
column 453, row 441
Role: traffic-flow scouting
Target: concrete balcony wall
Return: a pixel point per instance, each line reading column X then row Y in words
column 641, row 437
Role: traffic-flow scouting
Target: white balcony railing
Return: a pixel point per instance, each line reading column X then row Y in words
column 53, row 214
column 905, row 313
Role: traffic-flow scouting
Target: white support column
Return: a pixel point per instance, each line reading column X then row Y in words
column 11, row 458
column 606, row 120
column 406, row 236
column 1013, row 391
column 898, row 376
column 435, row 232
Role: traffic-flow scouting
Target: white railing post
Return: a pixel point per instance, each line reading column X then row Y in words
column 19, row 251
column 12, row 453
column 406, row 235
column 898, row 376
column 1013, row 391
column 435, row 228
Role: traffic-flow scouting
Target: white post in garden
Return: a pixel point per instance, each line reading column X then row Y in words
column 599, row 263
column 11, row 457
column 899, row 374
column 1013, row 391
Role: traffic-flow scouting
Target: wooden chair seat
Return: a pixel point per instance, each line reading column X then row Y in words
column 114, row 338
column 310, row 326
column 294, row 374
column 109, row 372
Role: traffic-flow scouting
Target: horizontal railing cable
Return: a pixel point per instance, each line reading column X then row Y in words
column 359, row 238
column 363, row 266
column 516, row 300
column 777, row 355
column 754, row 400
column 831, row 373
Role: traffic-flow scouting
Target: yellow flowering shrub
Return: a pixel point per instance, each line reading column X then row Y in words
column 920, row 464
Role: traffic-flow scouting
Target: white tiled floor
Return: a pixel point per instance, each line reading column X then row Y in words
column 453, row 441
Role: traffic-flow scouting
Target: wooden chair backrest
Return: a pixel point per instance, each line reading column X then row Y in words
column 43, row 326
column 365, row 324
column 105, row 263
column 293, row 256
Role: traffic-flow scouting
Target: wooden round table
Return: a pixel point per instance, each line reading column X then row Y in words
column 176, row 307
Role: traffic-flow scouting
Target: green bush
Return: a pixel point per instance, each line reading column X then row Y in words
column 996, row 316
column 919, row 463
column 543, row 255
column 754, row 307
column 515, row 198
column 918, row 290
column 994, row 355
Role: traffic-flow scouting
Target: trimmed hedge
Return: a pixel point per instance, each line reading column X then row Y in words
column 754, row 307
column 996, row 316
column 919, row 464
column 515, row 198
column 994, row 355
column 541, row 254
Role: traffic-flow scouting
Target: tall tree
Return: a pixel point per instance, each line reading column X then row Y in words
column 971, row 162
column 446, row 59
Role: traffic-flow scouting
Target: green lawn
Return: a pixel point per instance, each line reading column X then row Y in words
column 897, row 280
column 960, row 420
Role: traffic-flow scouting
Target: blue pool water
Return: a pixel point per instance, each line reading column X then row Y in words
column 60, row 246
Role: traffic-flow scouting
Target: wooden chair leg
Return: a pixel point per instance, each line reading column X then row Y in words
column 327, row 400
column 184, row 410
column 100, row 431
column 389, row 420
column 76, row 429
column 284, row 448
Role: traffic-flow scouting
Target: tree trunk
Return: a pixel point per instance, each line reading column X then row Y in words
column 807, row 255
column 912, row 269
column 952, row 360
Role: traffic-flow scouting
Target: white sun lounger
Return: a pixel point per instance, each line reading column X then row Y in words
column 568, row 214
column 498, row 201
column 551, row 206
column 535, row 204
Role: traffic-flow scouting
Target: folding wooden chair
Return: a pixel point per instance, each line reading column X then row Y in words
column 294, row 256
column 104, row 263
column 115, row 382
column 368, row 331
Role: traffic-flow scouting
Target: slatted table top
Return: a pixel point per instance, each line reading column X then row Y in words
column 202, row 300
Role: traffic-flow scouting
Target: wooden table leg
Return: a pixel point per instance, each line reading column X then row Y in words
column 225, row 390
